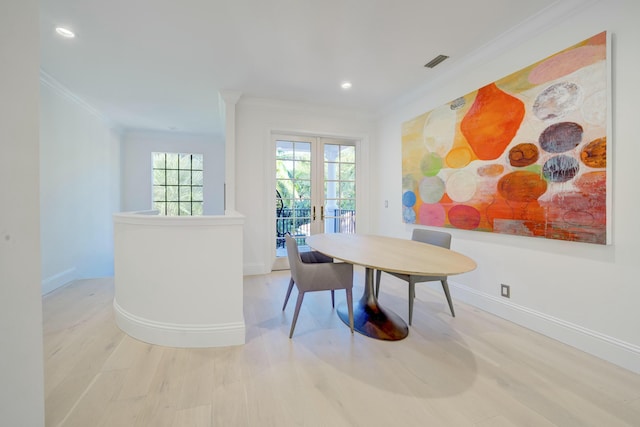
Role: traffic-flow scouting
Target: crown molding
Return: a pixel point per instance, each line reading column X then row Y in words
column 49, row 81
column 510, row 39
column 230, row 96
column 298, row 106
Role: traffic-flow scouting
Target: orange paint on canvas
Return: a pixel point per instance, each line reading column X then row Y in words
column 459, row 157
column 522, row 186
column 492, row 122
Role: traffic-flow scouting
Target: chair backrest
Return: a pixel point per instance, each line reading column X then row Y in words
column 293, row 255
column 322, row 276
column 437, row 238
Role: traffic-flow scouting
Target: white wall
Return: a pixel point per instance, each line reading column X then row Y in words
column 79, row 188
column 199, row 304
column 583, row 294
column 255, row 165
column 21, row 372
column 137, row 147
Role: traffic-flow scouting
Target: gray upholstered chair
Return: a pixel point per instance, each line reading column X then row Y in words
column 431, row 237
column 318, row 277
column 310, row 257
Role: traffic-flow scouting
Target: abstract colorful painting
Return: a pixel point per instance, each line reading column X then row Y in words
column 524, row 155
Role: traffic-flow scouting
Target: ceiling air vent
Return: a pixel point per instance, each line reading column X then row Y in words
column 435, row 61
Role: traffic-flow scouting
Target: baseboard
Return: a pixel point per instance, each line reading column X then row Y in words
column 56, row 281
column 254, row 269
column 179, row 335
column 611, row 349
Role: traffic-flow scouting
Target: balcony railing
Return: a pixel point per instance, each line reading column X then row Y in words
column 297, row 222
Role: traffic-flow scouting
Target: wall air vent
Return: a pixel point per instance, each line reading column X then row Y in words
column 435, row 61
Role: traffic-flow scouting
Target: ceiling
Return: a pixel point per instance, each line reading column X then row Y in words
column 159, row 64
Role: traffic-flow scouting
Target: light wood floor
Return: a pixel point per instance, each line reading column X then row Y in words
column 472, row 370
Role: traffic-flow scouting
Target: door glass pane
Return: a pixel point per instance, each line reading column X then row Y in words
column 347, row 171
column 303, row 170
column 347, row 205
column 302, row 151
column 293, row 191
column 347, row 190
column 347, row 153
column 284, row 169
column 302, row 218
column 339, row 188
column 303, row 189
column 284, row 150
column 331, row 169
column 331, row 152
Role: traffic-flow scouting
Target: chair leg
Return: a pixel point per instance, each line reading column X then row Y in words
column 445, row 287
column 378, row 274
column 350, row 307
column 296, row 312
column 288, row 294
column 412, row 295
column 333, row 298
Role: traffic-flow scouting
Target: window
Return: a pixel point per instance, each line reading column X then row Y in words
column 177, row 183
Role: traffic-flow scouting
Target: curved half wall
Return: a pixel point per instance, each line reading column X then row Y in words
column 178, row 280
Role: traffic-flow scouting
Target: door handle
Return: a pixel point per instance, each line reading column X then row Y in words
column 322, row 212
column 314, row 213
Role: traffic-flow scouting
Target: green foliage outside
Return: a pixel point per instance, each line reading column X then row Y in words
column 293, row 175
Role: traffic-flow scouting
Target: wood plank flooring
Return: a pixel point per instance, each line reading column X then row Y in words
column 472, row 370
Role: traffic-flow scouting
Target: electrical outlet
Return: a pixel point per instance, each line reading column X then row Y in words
column 386, row 203
column 505, row 290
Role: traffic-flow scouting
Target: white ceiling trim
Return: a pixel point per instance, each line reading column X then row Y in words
column 62, row 90
column 310, row 108
column 508, row 40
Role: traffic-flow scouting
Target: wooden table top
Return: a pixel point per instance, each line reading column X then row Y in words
column 392, row 254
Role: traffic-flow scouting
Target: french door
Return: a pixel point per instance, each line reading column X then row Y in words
column 315, row 190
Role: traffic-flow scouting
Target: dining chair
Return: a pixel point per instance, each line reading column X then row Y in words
column 310, row 257
column 437, row 238
column 312, row 277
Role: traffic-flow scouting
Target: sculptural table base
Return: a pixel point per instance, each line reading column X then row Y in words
column 372, row 320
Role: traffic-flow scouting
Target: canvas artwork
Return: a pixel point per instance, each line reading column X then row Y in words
column 524, row 155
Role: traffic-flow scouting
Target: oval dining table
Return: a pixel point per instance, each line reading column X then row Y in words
column 387, row 254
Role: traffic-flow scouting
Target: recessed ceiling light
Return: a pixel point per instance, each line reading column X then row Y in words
column 64, row 32
column 346, row 85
